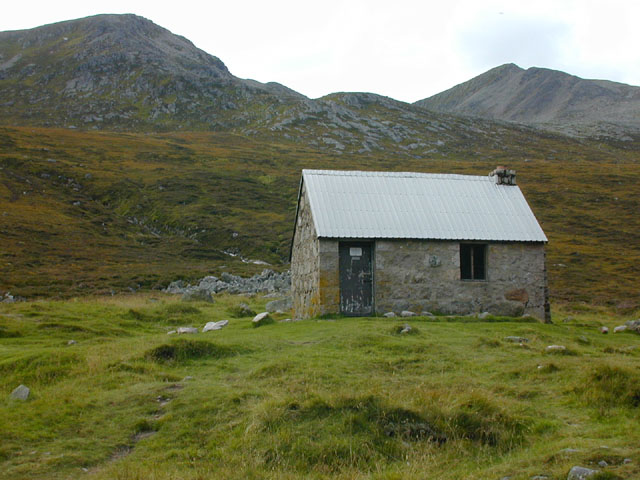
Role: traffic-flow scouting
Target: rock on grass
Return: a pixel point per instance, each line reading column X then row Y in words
column 262, row 319
column 580, row 473
column 20, row 393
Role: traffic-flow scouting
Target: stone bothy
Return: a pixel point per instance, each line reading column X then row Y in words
column 367, row 243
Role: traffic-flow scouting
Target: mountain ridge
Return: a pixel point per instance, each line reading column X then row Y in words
column 125, row 73
column 545, row 98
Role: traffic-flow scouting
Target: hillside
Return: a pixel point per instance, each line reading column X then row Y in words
column 91, row 212
column 547, row 99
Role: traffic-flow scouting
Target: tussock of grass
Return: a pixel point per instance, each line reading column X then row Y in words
column 398, row 330
column 548, row 368
column 7, row 333
column 139, row 316
column 144, row 426
column 360, row 432
column 43, row 368
column 182, row 309
column 566, row 352
column 488, row 342
column 612, row 386
column 240, row 311
column 64, row 327
column 274, row 369
column 363, row 430
column 482, row 420
column 605, row 476
column 184, row 350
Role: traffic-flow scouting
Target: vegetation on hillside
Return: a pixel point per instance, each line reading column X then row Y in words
column 340, row 398
column 94, row 212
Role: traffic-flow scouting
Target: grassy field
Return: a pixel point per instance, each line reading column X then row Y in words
column 95, row 212
column 322, row 398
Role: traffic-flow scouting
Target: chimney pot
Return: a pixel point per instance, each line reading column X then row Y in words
column 504, row 176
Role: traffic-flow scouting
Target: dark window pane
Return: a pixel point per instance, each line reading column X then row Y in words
column 478, row 262
column 465, row 262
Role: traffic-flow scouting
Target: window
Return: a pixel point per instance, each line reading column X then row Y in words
column 473, row 261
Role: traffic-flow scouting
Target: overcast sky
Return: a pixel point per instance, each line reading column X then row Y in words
column 404, row 49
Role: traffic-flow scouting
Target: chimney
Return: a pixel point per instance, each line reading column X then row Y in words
column 504, row 176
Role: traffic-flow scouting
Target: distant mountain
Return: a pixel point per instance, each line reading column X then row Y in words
column 121, row 71
column 125, row 73
column 545, row 98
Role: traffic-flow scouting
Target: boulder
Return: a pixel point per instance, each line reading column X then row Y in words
column 282, row 304
column 266, row 282
column 407, row 313
column 389, row 315
column 507, row 308
column 555, row 348
column 619, row 328
column 580, row 473
column 215, row 325
column 21, row 392
column 182, row 330
column 604, row 330
column 262, row 319
column 633, row 325
column 483, row 315
column 242, row 310
column 405, row 329
column 71, row 342
column 176, row 287
column 197, row 295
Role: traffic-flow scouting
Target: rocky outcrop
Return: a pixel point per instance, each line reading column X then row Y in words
column 266, row 282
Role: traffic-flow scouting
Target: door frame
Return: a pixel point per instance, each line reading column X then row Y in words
column 372, row 247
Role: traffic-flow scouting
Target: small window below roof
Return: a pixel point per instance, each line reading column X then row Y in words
column 473, row 261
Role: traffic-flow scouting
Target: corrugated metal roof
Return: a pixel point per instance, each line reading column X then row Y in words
column 355, row 204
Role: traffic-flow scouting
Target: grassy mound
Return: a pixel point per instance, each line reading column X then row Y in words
column 184, row 350
column 612, row 386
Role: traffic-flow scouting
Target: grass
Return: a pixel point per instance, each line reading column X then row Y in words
column 335, row 398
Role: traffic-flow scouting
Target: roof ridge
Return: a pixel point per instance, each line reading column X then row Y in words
column 377, row 173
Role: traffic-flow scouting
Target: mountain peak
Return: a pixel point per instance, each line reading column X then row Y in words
column 546, row 98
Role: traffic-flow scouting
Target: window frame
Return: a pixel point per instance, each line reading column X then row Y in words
column 475, row 250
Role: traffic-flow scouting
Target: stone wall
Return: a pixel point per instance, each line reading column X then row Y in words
column 305, row 272
column 329, row 276
column 425, row 276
